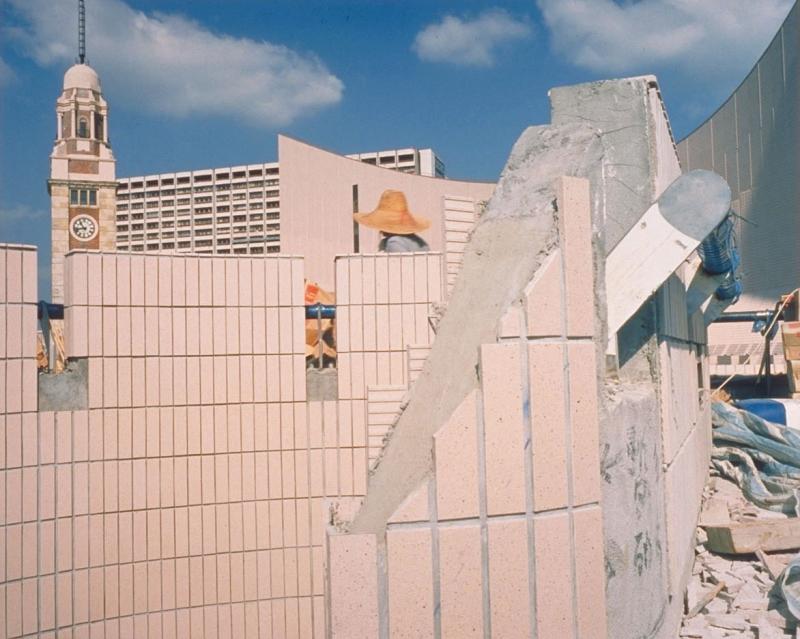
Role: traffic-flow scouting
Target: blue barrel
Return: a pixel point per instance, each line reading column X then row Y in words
column 777, row 411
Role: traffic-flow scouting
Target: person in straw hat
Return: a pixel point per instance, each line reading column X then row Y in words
column 397, row 225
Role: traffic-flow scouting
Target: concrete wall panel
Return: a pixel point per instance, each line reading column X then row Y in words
column 488, row 544
column 637, row 568
column 667, row 166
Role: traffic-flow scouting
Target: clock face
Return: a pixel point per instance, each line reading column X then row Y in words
column 83, row 228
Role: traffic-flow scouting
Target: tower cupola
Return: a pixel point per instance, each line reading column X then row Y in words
column 82, row 76
column 82, row 181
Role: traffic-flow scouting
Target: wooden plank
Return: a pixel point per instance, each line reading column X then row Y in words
column 666, row 235
column 748, row 537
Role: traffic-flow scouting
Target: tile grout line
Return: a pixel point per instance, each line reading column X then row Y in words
column 473, row 521
column 72, row 521
column 480, row 435
column 4, row 392
column 526, row 390
column 185, row 437
column 435, row 556
column 568, row 439
column 383, row 586
column 39, row 548
column 281, row 358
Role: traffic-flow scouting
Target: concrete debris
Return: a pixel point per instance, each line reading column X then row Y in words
column 727, row 622
column 734, row 595
column 706, row 597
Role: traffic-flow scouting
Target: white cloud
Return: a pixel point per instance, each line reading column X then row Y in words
column 169, row 64
column 469, row 42
column 711, row 38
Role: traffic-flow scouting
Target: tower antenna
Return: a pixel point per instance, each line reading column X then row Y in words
column 81, row 32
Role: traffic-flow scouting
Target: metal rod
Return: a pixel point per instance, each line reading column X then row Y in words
column 768, row 365
column 327, row 311
column 356, row 238
column 81, row 32
column 319, row 334
column 745, row 316
column 44, row 321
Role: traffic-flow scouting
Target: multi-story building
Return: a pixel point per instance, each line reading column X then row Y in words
column 300, row 205
column 225, row 210
column 230, row 210
column 416, row 161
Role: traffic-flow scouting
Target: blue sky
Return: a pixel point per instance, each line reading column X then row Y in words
column 210, row 83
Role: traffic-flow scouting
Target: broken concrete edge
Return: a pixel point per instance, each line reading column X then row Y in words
column 340, row 513
column 511, row 241
column 322, row 384
column 623, row 187
column 66, row 390
column 641, row 578
column 644, row 549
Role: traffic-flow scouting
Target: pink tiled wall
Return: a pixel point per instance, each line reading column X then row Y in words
column 20, row 455
column 189, row 496
column 18, row 278
column 505, row 537
column 384, row 304
column 383, row 408
column 188, row 330
column 385, row 307
column 459, row 217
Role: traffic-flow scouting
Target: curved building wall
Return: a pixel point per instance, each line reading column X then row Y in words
column 753, row 142
column 317, row 204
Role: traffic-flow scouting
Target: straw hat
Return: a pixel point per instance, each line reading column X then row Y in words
column 393, row 216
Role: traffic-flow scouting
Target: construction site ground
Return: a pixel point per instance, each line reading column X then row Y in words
column 735, row 595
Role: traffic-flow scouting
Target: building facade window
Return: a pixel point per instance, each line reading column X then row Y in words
column 83, row 197
column 83, row 128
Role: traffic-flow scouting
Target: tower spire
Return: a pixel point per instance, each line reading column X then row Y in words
column 81, row 32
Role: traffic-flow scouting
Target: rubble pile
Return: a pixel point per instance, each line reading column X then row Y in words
column 735, row 595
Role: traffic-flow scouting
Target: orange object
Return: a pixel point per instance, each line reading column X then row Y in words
column 392, row 216
column 319, row 331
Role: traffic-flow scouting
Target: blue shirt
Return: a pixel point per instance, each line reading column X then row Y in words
column 411, row 243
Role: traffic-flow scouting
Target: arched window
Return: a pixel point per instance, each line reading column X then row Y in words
column 98, row 126
column 83, row 128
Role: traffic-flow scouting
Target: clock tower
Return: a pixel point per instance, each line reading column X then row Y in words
column 82, row 181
